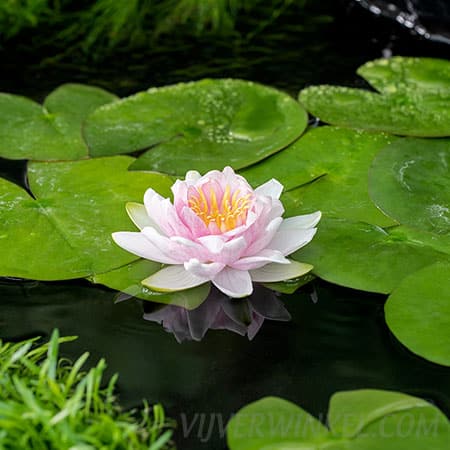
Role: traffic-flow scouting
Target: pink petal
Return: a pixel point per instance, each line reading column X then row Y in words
column 176, row 248
column 213, row 243
column 139, row 245
column 234, row 283
column 232, row 250
column 164, row 214
column 203, row 270
column 262, row 258
column 173, row 278
column 179, row 191
column 271, row 188
column 195, row 225
column 222, row 251
column 263, row 238
column 271, row 273
column 289, row 241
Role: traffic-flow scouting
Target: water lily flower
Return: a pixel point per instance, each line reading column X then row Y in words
column 218, row 229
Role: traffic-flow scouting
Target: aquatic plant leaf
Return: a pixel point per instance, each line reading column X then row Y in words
column 363, row 256
column 290, row 286
column 272, row 423
column 413, row 98
column 127, row 279
column 362, row 419
column 418, row 313
column 52, row 131
column 201, row 125
column 374, row 419
column 65, row 231
column 410, row 181
column 332, row 165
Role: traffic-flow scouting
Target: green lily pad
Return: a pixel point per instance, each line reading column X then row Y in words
column 255, row 427
column 290, row 286
column 65, row 231
column 201, row 125
column 332, row 165
column 127, row 279
column 418, row 313
column 52, row 131
column 410, row 181
column 358, row 420
column 366, row 257
column 413, row 98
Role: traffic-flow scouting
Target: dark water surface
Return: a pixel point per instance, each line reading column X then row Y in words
column 338, row 343
column 341, row 342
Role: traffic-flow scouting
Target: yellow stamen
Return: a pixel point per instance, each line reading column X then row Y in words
column 231, row 212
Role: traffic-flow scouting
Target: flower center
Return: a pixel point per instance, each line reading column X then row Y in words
column 227, row 210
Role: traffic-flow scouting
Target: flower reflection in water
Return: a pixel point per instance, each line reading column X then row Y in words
column 220, row 312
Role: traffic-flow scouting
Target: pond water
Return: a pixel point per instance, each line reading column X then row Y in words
column 336, row 339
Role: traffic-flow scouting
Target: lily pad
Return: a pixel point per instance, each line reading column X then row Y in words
column 410, row 181
column 332, row 165
column 273, row 423
column 363, row 419
column 201, row 125
column 64, row 230
column 52, row 131
column 366, row 257
column 290, row 286
column 418, row 313
column 127, row 279
column 413, row 98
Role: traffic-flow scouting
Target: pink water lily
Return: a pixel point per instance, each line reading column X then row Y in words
column 218, row 229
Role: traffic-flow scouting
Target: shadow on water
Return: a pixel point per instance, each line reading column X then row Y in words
column 338, row 343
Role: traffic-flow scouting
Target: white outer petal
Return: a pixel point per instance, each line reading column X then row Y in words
column 213, row 243
column 262, row 258
column 173, row 278
column 177, row 248
column 192, row 176
column 272, row 188
column 279, row 272
column 261, row 242
column 203, row 270
column 301, row 222
column 234, row 283
column 289, row 241
column 139, row 245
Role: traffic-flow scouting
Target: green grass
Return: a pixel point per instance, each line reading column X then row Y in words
column 47, row 402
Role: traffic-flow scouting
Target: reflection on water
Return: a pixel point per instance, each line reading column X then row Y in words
column 219, row 312
column 339, row 343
